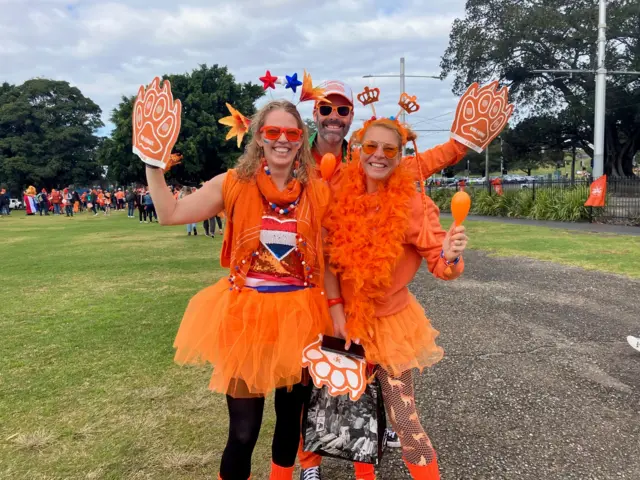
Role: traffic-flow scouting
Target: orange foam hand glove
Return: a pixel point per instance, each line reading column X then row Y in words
column 481, row 115
column 156, row 124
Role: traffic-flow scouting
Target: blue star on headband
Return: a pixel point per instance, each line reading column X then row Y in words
column 293, row 82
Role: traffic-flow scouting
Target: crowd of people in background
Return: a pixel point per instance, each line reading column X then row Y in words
column 96, row 200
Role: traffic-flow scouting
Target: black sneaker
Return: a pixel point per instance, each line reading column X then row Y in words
column 312, row 473
column 393, row 441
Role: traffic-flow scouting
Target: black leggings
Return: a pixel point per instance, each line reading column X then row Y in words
column 210, row 226
column 245, row 419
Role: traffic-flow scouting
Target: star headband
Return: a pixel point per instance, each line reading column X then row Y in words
column 307, row 93
column 240, row 124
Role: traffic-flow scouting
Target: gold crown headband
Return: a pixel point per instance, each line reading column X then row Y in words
column 369, row 96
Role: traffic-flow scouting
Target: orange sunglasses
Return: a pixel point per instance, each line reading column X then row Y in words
column 274, row 133
column 390, row 151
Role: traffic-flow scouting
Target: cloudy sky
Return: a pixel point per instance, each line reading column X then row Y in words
column 108, row 49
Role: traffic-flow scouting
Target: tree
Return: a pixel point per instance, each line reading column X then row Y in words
column 311, row 125
column 47, row 135
column 506, row 40
column 535, row 142
column 477, row 161
column 204, row 93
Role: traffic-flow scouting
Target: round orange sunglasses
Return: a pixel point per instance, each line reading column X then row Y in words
column 390, row 151
column 274, row 133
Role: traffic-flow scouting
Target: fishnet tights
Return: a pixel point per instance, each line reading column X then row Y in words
column 399, row 398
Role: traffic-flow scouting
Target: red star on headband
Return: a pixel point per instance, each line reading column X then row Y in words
column 269, row 80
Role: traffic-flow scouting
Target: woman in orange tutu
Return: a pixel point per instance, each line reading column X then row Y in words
column 380, row 228
column 253, row 325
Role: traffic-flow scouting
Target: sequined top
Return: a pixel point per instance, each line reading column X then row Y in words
column 277, row 262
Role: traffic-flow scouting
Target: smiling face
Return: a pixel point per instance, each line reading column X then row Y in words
column 381, row 152
column 331, row 125
column 281, row 148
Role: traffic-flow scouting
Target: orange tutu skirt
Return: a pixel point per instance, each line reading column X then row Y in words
column 254, row 340
column 403, row 340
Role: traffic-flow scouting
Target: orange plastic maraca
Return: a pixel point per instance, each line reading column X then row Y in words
column 460, row 205
column 328, row 166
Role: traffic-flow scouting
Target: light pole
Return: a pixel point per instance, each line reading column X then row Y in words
column 486, row 168
column 601, row 94
column 402, row 85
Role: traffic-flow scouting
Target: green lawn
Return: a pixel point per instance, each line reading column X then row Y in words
column 90, row 307
column 593, row 251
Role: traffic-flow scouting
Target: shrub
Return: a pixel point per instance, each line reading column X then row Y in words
column 547, row 203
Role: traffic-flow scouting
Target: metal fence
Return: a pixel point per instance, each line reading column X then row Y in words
column 623, row 201
column 622, row 205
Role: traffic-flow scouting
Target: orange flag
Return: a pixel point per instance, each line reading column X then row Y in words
column 598, row 193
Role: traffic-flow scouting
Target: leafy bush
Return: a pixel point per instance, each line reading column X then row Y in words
column 546, row 203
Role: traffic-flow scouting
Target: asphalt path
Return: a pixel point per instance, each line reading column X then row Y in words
column 537, row 382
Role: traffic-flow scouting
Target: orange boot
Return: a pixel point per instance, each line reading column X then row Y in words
column 364, row 471
column 429, row 471
column 281, row 473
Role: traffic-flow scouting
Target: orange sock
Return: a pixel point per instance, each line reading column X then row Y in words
column 427, row 472
column 308, row 459
column 364, row 471
column 281, row 473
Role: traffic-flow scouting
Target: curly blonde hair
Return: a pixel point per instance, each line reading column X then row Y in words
column 250, row 162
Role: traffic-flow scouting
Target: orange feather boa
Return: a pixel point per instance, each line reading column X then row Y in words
column 365, row 241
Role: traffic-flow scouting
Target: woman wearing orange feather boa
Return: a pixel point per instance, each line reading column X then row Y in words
column 380, row 228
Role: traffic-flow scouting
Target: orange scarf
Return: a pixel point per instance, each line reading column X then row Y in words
column 245, row 207
column 366, row 236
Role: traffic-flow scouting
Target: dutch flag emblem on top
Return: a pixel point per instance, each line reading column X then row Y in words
column 278, row 236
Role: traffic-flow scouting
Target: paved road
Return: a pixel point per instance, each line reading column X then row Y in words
column 538, row 381
column 582, row 226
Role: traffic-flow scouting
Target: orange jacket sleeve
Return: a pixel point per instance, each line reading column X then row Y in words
column 436, row 159
column 431, row 252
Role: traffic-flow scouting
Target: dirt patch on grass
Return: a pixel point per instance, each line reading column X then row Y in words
column 186, row 461
column 34, row 441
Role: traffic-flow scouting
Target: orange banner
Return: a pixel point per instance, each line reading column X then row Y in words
column 598, row 193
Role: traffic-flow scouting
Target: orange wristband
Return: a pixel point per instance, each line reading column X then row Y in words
column 335, row 301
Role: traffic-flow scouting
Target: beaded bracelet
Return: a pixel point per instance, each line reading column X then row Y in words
column 447, row 262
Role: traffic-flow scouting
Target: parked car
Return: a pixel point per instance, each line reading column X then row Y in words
column 14, row 203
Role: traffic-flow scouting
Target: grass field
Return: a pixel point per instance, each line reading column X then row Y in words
column 90, row 307
column 592, row 251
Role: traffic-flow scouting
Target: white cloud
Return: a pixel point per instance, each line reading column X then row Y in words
column 109, row 48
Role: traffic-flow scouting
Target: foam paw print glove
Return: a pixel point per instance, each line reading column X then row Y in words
column 156, row 124
column 481, row 115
